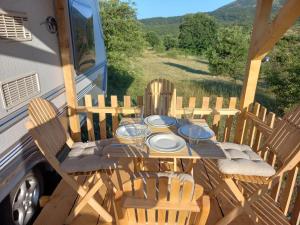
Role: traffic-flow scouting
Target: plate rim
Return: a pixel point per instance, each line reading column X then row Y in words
column 186, row 136
column 132, row 137
column 153, row 125
column 158, row 150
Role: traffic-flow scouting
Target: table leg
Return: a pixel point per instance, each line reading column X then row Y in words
column 175, row 164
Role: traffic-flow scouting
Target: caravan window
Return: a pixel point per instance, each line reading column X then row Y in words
column 82, row 28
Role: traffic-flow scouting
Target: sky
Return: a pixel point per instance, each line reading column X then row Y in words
column 166, row 8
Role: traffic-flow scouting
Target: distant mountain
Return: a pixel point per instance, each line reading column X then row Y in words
column 241, row 11
column 238, row 12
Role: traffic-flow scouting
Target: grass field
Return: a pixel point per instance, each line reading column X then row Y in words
column 190, row 74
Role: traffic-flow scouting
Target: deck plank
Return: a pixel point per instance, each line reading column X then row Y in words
column 60, row 204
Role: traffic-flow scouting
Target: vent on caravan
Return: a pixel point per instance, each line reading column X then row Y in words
column 19, row 90
column 13, row 27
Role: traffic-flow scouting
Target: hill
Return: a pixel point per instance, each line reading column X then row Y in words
column 241, row 11
column 238, row 12
column 163, row 25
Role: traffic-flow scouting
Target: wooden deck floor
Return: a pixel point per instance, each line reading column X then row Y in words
column 64, row 198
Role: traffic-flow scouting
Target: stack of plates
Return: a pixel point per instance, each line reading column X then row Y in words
column 160, row 121
column 166, row 143
column 196, row 132
column 132, row 131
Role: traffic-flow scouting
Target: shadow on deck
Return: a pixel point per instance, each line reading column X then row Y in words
column 64, row 198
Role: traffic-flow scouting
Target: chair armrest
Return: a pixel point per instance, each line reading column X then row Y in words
column 204, row 205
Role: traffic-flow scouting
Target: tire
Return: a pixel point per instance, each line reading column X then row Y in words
column 21, row 206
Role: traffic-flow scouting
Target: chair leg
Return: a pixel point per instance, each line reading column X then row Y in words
column 235, row 190
column 87, row 198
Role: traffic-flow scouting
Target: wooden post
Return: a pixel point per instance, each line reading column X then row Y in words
column 264, row 36
column 70, row 84
column 263, row 12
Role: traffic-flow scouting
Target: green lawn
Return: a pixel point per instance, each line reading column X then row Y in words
column 190, row 75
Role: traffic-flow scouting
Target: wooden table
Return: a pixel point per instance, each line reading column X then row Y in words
column 190, row 153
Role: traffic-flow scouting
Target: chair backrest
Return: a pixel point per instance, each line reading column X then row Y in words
column 284, row 141
column 173, row 198
column 45, row 127
column 160, row 97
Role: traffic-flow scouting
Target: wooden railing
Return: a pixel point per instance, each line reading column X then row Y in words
column 102, row 120
column 259, row 125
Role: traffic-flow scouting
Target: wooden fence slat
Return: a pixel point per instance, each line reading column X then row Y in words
column 229, row 120
column 217, row 117
column 258, row 136
column 276, row 190
column 127, row 102
column 115, row 119
column 173, row 103
column 89, row 121
column 179, row 103
column 102, row 117
column 252, row 131
column 295, row 218
column 248, row 123
column 270, row 121
column 205, row 105
column 192, row 102
column 286, row 196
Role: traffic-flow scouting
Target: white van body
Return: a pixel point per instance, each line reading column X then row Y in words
column 30, row 66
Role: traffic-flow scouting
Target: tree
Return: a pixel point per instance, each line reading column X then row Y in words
column 123, row 34
column 197, row 33
column 170, row 42
column 282, row 72
column 153, row 39
column 228, row 54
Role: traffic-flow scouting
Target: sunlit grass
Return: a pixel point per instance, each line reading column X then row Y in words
column 190, row 75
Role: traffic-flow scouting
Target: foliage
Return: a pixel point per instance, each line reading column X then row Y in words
column 153, row 39
column 123, row 34
column 240, row 12
column 197, row 32
column 163, row 25
column 228, row 54
column 170, row 42
column 283, row 72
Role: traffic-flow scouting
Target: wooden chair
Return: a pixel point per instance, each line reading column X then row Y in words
column 163, row 198
column 283, row 143
column 50, row 137
column 160, row 98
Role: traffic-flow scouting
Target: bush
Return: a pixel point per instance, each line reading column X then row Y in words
column 123, row 34
column 153, row 39
column 197, row 33
column 228, row 54
column 282, row 72
column 170, row 42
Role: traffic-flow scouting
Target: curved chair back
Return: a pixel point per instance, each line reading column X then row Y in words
column 160, row 98
column 45, row 127
column 174, row 198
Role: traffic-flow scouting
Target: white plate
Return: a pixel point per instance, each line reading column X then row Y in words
column 196, row 131
column 166, row 142
column 160, row 121
column 133, row 131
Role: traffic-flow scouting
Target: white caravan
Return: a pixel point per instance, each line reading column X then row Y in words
column 30, row 66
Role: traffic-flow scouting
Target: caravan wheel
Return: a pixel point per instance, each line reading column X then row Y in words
column 22, row 204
